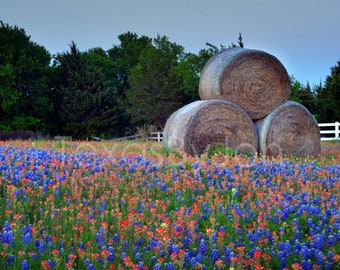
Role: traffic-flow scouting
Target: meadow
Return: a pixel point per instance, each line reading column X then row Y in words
column 106, row 205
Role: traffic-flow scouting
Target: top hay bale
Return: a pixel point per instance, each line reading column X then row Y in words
column 254, row 80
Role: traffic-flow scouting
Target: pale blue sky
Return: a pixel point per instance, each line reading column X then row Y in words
column 303, row 34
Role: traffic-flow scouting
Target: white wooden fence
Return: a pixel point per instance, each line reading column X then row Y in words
column 328, row 132
column 152, row 136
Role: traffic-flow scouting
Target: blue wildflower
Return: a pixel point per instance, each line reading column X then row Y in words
column 51, row 263
column 91, row 267
column 41, row 247
column 169, row 266
column 24, row 265
column 157, row 267
column 26, row 239
column 87, row 262
column 203, row 247
column 214, row 254
column 7, row 226
column 138, row 256
column 193, row 261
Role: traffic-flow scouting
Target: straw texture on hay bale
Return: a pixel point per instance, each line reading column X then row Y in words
column 254, row 80
column 290, row 129
column 200, row 124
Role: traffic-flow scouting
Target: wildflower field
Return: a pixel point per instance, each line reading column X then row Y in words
column 106, row 205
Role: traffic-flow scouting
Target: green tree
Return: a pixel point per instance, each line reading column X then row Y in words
column 155, row 86
column 303, row 94
column 83, row 97
column 189, row 70
column 24, row 81
column 165, row 79
column 125, row 57
column 191, row 66
column 328, row 97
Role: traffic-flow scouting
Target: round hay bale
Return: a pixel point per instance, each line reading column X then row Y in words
column 290, row 129
column 254, row 80
column 203, row 123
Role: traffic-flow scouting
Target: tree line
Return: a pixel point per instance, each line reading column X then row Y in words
column 138, row 82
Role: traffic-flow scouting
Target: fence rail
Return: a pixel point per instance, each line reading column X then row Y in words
column 328, row 132
column 152, row 136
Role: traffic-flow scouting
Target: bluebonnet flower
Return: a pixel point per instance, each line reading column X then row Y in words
column 297, row 234
column 199, row 258
column 319, row 257
column 282, row 256
column 193, row 261
column 169, row 266
column 194, row 252
column 297, row 246
column 214, row 254
column 195, row 165
column 26, row 239
column 281, row 230
column 162, row 253
column 186, row 242
column 328, row 265
column 319, row 241
column 157, row 267
column 310, row 222
column 100, row 236
column 306, row 265
column 7, row 237
column 116, row 238
column 111, row 257
column 227, row 253
column 24, row 265
column 305, row 253
column 10, row 259
column 330, row 255
column 147, row 248
column 17, row 192
column 91, row 267
column 41, row 247
column 153, row 260
column 7, row 226
column 138, row 256
column 203, row 247
column 51, row 263
column 34, row 256
column 214, row 236
column 175, row 248
column 87, row 262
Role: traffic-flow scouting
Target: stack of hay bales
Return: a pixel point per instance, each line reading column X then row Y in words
column 244, row 105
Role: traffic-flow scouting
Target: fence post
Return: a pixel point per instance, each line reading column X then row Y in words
column 337, row 130
column 158, row 136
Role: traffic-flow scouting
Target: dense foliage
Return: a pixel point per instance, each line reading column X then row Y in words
column 140, row 81
column 24, row 81
column 129, row 206
column 83, row 97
